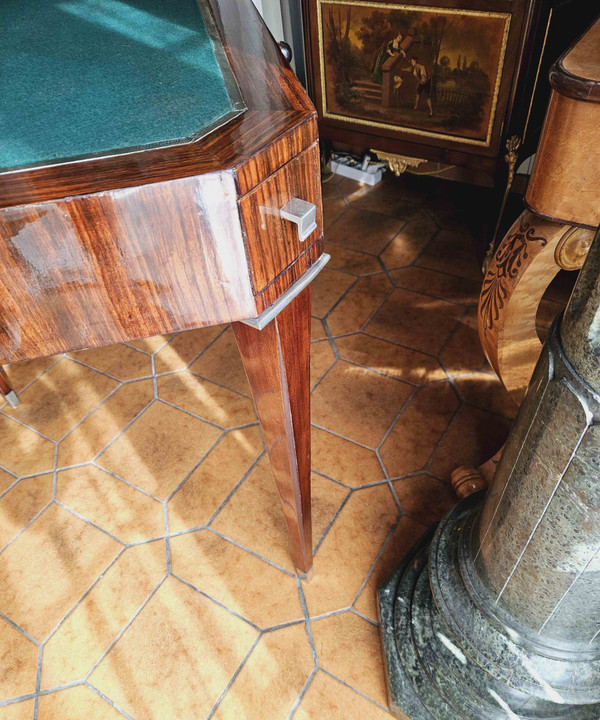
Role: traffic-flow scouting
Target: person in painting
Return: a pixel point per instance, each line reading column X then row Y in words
column 424, row 83
column 393, row 48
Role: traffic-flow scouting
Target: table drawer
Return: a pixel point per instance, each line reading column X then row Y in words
column 273, row 242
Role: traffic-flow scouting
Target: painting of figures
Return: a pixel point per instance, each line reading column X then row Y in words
column 431, row 70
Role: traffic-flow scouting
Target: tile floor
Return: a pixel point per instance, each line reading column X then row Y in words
column 144, row 564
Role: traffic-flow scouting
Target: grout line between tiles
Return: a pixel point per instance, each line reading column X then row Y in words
column 12, row 485
column 337, row 482
column 14, row 418
column 341, row 297
column 364, row 617
column 300, row 697
column 27, row 524
column 126, row 626
column 107, row 700
column 320, row 380
column 17, row 699
column 387, row 540
column 216, row 602
column 154, row 352
column 248, row 550
column 95, row 464
column 38, row 681
column 101, row 372
column 37, row 377
column 307, row 622
column 82, row 598
column 351, row 687
column 343, row 437
column 195, row 467
column 445, row 433
column 154, row 380
column 91, row 412
column 89, row 522
column 58, row 688
column 191, row 414
column 330, row 524
column 235, row 488
column 125, row 427
column 233, row 678
column 402, row 410
column 20, row 629
column 282, row 626
column 218, row 384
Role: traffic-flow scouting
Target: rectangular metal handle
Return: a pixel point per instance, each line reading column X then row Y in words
column 303, row 213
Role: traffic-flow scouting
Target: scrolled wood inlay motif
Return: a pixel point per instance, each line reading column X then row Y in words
column 509, row 258
column 521, row 270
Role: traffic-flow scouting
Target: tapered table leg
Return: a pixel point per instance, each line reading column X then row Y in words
column 6, row 390
column 277, row 363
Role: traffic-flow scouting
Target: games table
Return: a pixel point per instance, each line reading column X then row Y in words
column 159, row 171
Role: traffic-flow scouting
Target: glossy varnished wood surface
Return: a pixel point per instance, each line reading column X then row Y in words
column 277, row 363
column 288, row 277
column 112, row 249
column 272, row 242
column 529, row 257
column 109, row 249
column 98, row 269
column 280, row 122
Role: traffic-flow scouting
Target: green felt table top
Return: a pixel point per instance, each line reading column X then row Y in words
column 89, row 77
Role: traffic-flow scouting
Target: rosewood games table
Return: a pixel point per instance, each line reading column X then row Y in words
column 159, row 171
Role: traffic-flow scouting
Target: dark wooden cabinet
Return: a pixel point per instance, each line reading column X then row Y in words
column 482, row 64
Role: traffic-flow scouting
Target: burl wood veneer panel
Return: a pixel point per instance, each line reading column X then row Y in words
column 564, row 181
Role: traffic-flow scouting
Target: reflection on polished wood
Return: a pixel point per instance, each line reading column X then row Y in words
column 119, row 247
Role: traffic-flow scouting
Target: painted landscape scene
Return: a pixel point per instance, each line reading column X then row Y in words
column 421, row 68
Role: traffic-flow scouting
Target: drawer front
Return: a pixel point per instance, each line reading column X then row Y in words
column 273, row 242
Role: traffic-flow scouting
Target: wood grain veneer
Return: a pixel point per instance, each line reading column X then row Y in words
column 272, row 242
column 107, row 249
column 111, row 249
column 277, row 363
column 577, row 73
column 564, row 178
column 98, row 269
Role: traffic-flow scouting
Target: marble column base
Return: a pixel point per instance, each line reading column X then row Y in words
column 446, row 659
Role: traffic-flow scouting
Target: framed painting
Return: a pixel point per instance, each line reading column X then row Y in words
column 429, row 71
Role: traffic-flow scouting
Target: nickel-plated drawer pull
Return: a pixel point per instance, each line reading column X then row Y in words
column 303, row 213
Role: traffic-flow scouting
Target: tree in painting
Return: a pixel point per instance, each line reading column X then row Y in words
column 341, row 53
